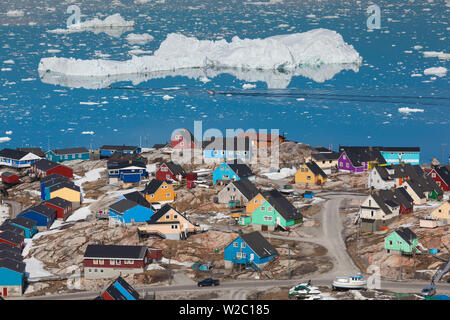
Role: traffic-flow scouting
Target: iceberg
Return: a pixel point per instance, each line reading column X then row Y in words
column 318, row 54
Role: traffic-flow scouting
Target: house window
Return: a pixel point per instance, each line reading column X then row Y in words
column 344, row 157
column 182, row 143
column 235, row 244
column 168, row 195
column 242, row 245
column 308, row 178
column 263, row 208
column 267, row 218
column 167, row 217
column 112, row 262
column 174, row 226
column 118, row 262
column 340, row 163
column 164, row 169
column 256, row 200
column 95, row 261
column 101, row 262
column 269, row 209
column 347, row 165
column 433, row 175
column 216, row 152
column 390, row 242
column 239, row 255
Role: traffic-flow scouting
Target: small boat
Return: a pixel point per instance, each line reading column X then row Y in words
column 304, row 291
column 349, row 283
column 287, row 189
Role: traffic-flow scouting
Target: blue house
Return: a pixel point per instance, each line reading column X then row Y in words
column 250, row 249
column 29, row 226
column 107, row 151
column 229, row 171
column 12, row 277
column 61, row 155
column 126, row 211
column 43, row 215
column 219, row 149
column 126, row 171
column 50, row 181
column 119, row 290
column 17, row 159
column 395, row 155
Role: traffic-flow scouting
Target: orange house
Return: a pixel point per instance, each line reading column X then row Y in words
column 310, row 172
column 253, row 204
column 159, row 191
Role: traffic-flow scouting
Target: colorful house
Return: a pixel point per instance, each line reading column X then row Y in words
column 50, row 181
column 63, row 207
column 442, row 213
column 159, row 191
column 401, row 241
column 7, row 226
column 28, row 225
column 44, row 168
column 68, row 154
column 17, row 159
column 12, row 277
column 12, row 239
column 310, row 172
column 184, row 139
column 232, row 171
column 378, row 210
column 126, row 171
column 326, row 160
column 219, row 149
column 441, row 175
column 10, row 178
column 250, row 249
column 241, row 191
column 168, row 223
column 128, row 212
column 43, row 215
column 107, row 151
column 392, row 176
column 275, row 211
column 359, row 159
column 397, row 155
column 119, row 290
column 170, row 171
column 67, row 191
column 110, row 261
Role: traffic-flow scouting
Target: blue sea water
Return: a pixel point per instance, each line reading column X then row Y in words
column 352, row 108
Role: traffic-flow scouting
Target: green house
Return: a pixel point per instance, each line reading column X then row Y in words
column 402, row 240
column 61, row 155
column 435, row 195
column 275, row 211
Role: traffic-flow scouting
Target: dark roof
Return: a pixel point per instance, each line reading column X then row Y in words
column 13, row 265
column 24, row 222
column 246, row 187
column 138, row 198
column 175, row 168
column 406, row 234
column 70, row 151
column 152, row 186
column 259, row 244
column 322, row 149
column 54, row 177
column 36, row 151
column 119, row 157
column 228, row 144
column 7, row 247
column 123, row 205
column 65, row 184
column 8, row 174
column 59, row 202
column 357, row 155
column 282, row 205
column 417, row 187
column 160, row 145
column 11, row 237
column 125, row 164
column 315, row 169
column 42, row 209
column 400, row 149
column 115, row 251
column 45, row 165
column 241, row 169
column 118, row 148
column 392, row 199
column 404, row 197
column 326, row 156
column 161, row 212
column 12, row 154
column 444, row 173
column 11, row 255
column 116, row 294
column 7, row 226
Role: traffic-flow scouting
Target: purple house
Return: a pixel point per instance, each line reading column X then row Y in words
column 359, row 159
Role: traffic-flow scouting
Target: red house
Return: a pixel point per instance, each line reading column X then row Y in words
column 170, row 171
column 110, row 261
column 183, row 139
column 10, row 178
column 63, row 207
column 12, row 239
column 441, row 175
column 44, row 167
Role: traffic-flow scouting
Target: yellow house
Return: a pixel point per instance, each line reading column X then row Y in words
column 169, row 224
column 253, row 204
column 67, row 191
column 442, row 212
column 159, row 191
column 310, row 172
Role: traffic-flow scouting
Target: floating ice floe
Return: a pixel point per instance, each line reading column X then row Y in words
column 141, row 39
column 15, row 13
column 317, row 54
column 435, row 54
column 409, row 110
column 248, row 86
column 5, row 139
column 437, row 71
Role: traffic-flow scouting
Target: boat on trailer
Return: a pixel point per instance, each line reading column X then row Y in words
column 350, row 283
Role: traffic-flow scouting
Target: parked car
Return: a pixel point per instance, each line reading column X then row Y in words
column 428, row 291
column 208, row 282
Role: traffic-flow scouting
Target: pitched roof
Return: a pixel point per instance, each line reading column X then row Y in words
column 42, row 209
column 315, row 169
column 13, row 255
column 122, row 290
column 400, row 149
column 125, row 164
column 65, row 184
column 54, row 178
column 11, row 237
column 45, row 165
column 8, row 174
column 152, row 186
column 12, row 154
column 118, row 148
column 228, row 144
column 24, row 222
column 259, row 244
column 241, row 169
column 325, row 156
column 406, row 234
column 7, row 247
column 444, row 173
column 59, row 202
column 357, row 155
column 175, row 168
column 161, row 212
column 70, row 151
column 115, row 251
column 123, row 205
column 137, row 197
column 36, row 151
column 282, row 205
column 7, row 226
column 13, row 265
column 246, row 187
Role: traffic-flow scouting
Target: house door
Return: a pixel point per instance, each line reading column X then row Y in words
column 167, row 176
column 5, row 292
column 264, row 228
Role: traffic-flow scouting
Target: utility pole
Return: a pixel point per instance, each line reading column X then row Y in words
column 443, row 148
column 289, row 263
